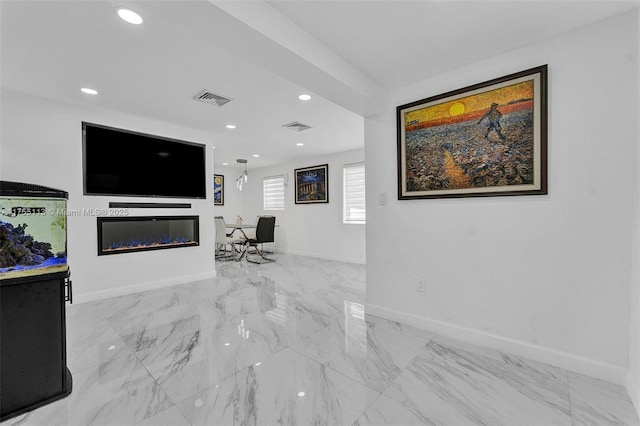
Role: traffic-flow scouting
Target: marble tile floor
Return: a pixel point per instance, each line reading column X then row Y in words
column 291, row 343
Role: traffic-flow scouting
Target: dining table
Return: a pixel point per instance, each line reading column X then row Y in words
column 241, row 227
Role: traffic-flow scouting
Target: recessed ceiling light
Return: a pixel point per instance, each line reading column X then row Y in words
column 89, row 91
column 129, row 15
column 225, row 164
column 256, row 155
column 301, row 394
column 299, row 144
column 230, row 126
column 304, row 97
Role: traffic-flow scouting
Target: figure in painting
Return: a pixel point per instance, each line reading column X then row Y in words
column 494, row 116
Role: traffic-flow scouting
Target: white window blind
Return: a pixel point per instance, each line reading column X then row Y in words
column 354, row 194
column 273, row 192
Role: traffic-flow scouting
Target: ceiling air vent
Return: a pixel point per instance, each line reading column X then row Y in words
column 211, row 98
column 297, row 126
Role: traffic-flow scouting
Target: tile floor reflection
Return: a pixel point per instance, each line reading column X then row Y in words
column 291, row 343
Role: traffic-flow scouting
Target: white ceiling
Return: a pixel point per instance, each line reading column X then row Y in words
column 346, row 54
column 400, row 42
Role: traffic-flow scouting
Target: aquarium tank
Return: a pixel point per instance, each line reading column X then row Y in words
column 33, row 230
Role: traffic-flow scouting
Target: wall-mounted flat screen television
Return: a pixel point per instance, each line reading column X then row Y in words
column 126, row 163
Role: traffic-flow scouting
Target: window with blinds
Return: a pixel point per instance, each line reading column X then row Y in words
column 354, row 194
column 273, row 193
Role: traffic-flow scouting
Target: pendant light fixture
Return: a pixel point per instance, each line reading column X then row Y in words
column 244, row 177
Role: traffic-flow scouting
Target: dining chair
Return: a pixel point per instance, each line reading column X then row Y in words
column 228, row 234
column 264, row 234
column 251, row 233
column 224, row 240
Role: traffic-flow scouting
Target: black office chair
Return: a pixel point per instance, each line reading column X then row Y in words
column 264, row 234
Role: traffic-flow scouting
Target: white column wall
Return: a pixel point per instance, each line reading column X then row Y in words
column 544, row 276
column 633, row 374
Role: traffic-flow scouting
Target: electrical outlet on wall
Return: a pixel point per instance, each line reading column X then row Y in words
column 420, row 285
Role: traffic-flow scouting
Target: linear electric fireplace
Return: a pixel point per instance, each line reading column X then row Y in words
column 139, row 233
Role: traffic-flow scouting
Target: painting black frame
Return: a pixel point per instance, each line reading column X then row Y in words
column 538, row 186
column 301, row 173
column 216, row 202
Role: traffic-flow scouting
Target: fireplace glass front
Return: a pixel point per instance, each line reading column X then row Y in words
column 140, row 233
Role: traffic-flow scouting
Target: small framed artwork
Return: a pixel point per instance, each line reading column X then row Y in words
column 218, row 190
column 489, row 139
column 311, row 185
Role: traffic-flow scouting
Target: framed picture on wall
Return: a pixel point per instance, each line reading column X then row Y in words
column 489, row 139
column 218, row 190
column 312, row 185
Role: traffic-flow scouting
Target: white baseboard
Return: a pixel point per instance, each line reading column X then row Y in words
column 632, row 390
column 321, row 256
column 121, row 291
column 564, row 360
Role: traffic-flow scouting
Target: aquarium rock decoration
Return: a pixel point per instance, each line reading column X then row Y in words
column 18, row 248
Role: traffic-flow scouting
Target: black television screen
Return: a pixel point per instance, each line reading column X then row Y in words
column 122, row 162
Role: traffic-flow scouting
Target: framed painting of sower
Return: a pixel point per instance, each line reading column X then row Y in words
column 489, row 139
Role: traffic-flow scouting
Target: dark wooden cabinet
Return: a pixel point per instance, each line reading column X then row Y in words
column 33, row 369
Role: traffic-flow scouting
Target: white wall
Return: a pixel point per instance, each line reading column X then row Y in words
column 42, row 144
column 633, row 375
column 543, row 276
column 309, row 229
column 233, row 199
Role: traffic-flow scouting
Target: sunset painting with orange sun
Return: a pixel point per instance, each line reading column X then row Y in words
column 488, row 139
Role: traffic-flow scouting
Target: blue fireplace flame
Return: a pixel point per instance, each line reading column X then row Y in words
column 162, row 240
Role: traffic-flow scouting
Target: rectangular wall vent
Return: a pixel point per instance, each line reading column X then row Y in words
column 297, row 126
column 209, row 97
